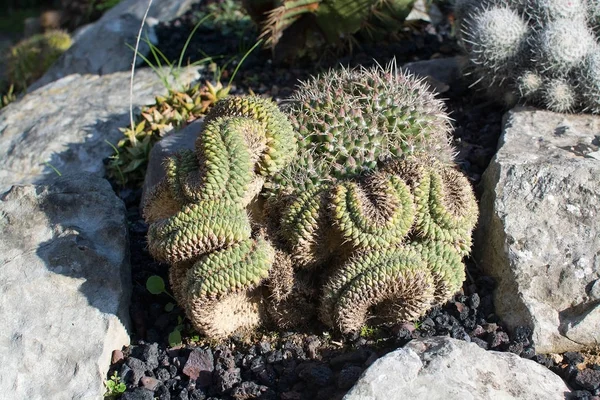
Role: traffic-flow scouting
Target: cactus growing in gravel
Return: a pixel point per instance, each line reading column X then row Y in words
column 365, row 205
column 197, row 216
column 29, row 59
column 363, row 211
column 540, row 51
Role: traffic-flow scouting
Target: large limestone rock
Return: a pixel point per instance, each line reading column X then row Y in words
column 442, row 368
column 66, row 125
column 65, row 284
column 539, row 233
column 101, row 48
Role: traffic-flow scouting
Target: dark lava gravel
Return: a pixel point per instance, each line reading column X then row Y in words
column 304, row 365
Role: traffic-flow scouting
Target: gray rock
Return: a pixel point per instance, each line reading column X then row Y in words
column 101, row 48
column 439, row 73
column 66, row 124
column 65, row 284
column 181, row 140
column 442, row 368
column 539, row 231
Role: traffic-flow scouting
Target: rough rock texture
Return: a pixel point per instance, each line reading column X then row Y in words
column 101, row 47
column 66, row 124
column 539, row 233
column 183, row 139
column 65, row 283
column 442, row 368
column 439, row 73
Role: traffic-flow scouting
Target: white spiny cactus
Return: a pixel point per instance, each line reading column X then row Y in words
column 541, row 51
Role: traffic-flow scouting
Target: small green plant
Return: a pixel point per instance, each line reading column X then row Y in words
column 370, row 332
column 8, row 97
column 156, row 285
column 114, row 387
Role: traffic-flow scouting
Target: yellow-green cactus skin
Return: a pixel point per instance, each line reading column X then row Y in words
column 198, row 218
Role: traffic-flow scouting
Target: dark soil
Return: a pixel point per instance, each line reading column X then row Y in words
column 313, row 364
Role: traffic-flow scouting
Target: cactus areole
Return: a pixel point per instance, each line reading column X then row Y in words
column 346, row 203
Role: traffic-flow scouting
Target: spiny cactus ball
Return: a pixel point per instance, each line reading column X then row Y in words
column 351, row 121
column 538, row 51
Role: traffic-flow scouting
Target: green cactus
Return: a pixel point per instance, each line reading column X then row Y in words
column 197, row 229
column 198, row 220
column 445, row 265
column 446, row 209
column 236, row 268
column 349, row 122
column 379, row 213
column 396, row 280
column 536, row 51
column 279, row 136
column 332, row 20
column 359, row 217
column 29, row 59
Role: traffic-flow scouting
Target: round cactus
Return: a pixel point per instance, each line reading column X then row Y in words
column 498, row 37
column 537, row 51
column 29, row 59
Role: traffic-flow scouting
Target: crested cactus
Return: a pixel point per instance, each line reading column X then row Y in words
column 198, row 220
column 540, row 51
column 350, row 122
column 363, row 211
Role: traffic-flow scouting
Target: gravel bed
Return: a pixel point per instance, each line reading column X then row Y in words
column 315, row 364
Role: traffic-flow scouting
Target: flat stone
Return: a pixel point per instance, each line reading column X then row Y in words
column 539, row 230
column 66, row 125
column 442, row 368
column 101, row 48
column 439, row 73
column 65, row 284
